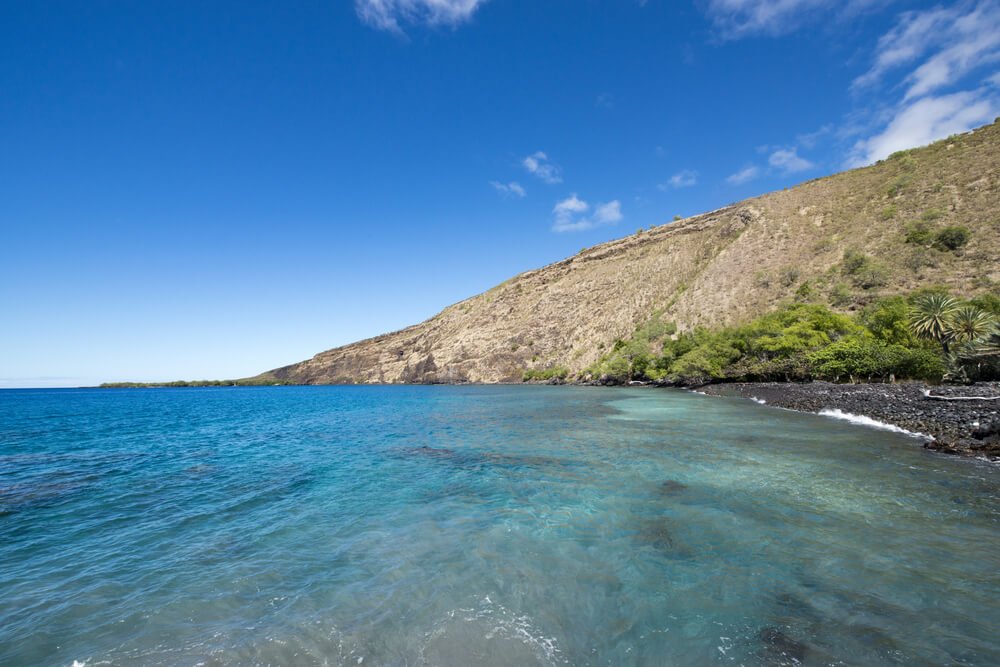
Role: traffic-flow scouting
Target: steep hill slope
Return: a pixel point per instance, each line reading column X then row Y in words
column 719, row 268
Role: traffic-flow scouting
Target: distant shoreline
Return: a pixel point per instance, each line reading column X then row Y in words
column 964, row 428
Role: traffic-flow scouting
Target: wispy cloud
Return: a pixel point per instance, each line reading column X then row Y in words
column 744, row 175
column 569, row 215
column 938, row 50
column 512, row 189
column 810, row 139
column 391, row 15
column 734, row 19
column 789, row 161
column 539, row 165
column 956, row 40
column 926, row 120
column 685, row 178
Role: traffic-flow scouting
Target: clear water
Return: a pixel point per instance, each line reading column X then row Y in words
column 482, row 526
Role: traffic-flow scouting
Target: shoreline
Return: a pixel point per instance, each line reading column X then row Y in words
column 965, row 427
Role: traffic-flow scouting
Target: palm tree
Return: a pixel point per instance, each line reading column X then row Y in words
column 970, row 324
column 931, row 317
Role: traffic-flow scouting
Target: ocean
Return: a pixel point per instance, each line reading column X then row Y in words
column 482, row 525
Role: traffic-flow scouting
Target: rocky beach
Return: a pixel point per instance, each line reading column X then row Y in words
column 966, row 427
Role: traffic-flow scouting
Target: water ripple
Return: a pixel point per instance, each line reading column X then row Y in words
column 481, row 525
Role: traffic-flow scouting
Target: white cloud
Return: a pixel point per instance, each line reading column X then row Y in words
column 937, row 49
column 741, row 18
column 512, row 189
column 570, row 205
column 569, row 215
column 744, row 175
column 925, row 120
column 608, row 214
column 908, row 40
column 539, row 164
column 389, row 14
column 788, row 161
column 959, row 39
column 682, row 179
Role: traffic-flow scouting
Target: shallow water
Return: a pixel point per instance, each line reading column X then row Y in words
column 482, row 525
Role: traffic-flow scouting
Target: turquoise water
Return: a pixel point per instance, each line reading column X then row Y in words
column 482, row 526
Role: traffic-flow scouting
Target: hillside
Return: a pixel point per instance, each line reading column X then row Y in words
column 720, row 268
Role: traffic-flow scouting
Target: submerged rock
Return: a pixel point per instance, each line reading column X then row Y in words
column 656, row 533
column 672, row 487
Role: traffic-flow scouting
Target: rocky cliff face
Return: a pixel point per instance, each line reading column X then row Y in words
column 714, row 269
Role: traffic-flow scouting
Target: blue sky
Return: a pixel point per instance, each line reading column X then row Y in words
column 210, row 190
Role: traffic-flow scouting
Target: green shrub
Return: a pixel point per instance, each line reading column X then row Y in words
column 654, row 329
column 841, row 295
column 988, row 303
column 889, row 321
column 801, row 341
column 864, row 271
column 629, row 359
column 919, row 233
column 898, row 184
column 866, row 358
column 850, row 358
column 705, row 362
column 951, row 238
column 872, row 276
column 921, row 364
column 854, row 261
column 773, row 346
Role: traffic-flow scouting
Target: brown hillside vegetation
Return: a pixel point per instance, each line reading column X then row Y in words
column 719, row 268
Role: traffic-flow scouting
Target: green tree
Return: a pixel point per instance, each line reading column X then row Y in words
column 951, row 238
column 931, row 317
column 889, row 320
column 969, row 323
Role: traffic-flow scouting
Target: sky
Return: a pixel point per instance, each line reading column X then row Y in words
column 210, row 190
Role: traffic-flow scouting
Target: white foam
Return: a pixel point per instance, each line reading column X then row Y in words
column 862, row 420
column 758, row 400
column 496, row 622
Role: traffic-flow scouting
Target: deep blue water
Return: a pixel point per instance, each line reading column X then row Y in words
column 482, row 526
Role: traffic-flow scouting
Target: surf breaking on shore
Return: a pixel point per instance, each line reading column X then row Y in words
column 967, row 427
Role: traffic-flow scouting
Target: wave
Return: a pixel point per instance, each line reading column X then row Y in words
column 862, row 420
